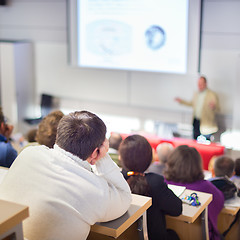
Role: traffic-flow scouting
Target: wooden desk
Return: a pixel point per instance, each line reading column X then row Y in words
column 126, row 226
column 225, row 218
column 11, row 217
column 193, row 222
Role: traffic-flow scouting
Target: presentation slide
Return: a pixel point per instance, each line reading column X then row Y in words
column 145, row 35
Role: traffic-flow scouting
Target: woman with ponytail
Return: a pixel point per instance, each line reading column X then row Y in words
column 136, row 156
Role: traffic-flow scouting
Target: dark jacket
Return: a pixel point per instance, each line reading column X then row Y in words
column 164, row 202
column 7, row 152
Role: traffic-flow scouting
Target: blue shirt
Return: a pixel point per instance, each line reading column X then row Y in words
column 7, row 152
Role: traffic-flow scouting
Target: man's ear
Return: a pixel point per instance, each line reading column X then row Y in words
column 93, row 157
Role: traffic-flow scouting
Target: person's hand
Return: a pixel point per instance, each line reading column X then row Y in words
column 99, row 152
column 103, row 149
column 177, row 99
column 212, row 105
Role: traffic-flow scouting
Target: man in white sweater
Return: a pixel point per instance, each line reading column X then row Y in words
column 65, row 194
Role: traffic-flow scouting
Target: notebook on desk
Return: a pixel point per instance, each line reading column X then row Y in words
column 178, row 190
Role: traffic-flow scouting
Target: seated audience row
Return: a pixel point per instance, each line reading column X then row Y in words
column 75, row 142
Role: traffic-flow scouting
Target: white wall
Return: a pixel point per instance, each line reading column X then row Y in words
column 141, row 94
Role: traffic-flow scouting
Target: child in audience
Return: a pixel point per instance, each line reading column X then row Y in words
column 184, row 168
column 223, row 166
column 223, row 170
column 236, row 178
column 136, row 156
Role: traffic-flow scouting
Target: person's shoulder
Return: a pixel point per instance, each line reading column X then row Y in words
column 34, row 150
column 155, row 179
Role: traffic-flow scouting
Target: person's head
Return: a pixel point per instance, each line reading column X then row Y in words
column 81, row 133
column 223, row 166
column 5, row 128
column 184, row 165
column 237, row 167
column 136, row 156
column 202, row 83
column 47, row 129
column 114, row 140
column 135, row 153
column 31, row 135
column 163, row 151
column 211, row 164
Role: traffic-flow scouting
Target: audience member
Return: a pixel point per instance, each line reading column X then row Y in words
column 136, row 156
column 64, row 193
column 223, row 166
column 236, row 177
column 31, row 135
column 47, row 129
column 114, row 142
column 223, row 170
column 184, row 168
column 7, row 152
column 211, row 165
column 163, row 151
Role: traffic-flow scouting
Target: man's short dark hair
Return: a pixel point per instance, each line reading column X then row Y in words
column 223, row 166
column 80, row 133
column 114, row 140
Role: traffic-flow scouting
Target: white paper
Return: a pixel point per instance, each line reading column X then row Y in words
column 178, row 190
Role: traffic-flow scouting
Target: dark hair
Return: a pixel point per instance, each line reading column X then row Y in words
column 237, row 166
column 47, row 129
column 136, row 155
column 2, row 119
column 114, row 140
column 80, row 133
column 223, row 166
column 184, row 165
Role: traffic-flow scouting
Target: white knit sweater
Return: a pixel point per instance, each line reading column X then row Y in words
column 64, row 196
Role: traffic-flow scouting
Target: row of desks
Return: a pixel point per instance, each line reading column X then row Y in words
column 125, row 227
column 191, row 224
